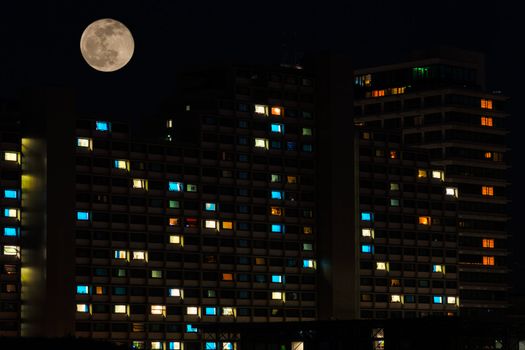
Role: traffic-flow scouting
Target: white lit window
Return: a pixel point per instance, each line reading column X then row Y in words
column 227, row 311
column 175, row 292
column 139, row 255
column 309, row 263
column 261, row 143
column 175, row 239
column 158, row 309
column 120, row 309
column 85, row 142
column 381, row 265
column 12, row 250
column 438, row 268
column 451, row 191
column 261, row 109
column 121, row 164
column 451, row 300
column 139, row 183
column 11, row 212
column 11, row 156
column 169, row 123
column 395, row 298
column 438, row 174
column 82, row 308
column 210, row 224
column 174, row 345
column 156, row 345
column 367, row 232
column 277, row 295
column 308, row 246
column 192, row 310
column 394, row 202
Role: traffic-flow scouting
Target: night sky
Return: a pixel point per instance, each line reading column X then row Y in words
column 40, row 46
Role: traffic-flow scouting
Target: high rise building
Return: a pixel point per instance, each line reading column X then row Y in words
column 440, row 103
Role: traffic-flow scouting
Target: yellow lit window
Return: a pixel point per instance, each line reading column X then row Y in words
column 261, row 109
column 227, row 276
column 307, row 230
column 438, row 174
column 438, row 268
column 140, row 183
column 158, row 309
column 261, row 143
column 139, row 255
column 156, row 345
column 11, row 156
column 367, row 232
column 176, row 239
column 425, row 220
column 365, row 135
column 156, row 273
column 85, row 142
column 487, row 190
column 210, row 224
column 487, row 121
column 393, row 154
column 169, row 123
column 173, row 222
column 381, row 265
column 122, row 164
column 12, row 250
column 227, row 225
column 228, row 311
column 488, row 260
column 421, row 173
column 307, row 132
column 395, row 298
column 394, row 186
column 488, row 243
column 120, row 309
column 99, row 290
column 277, row 111
column 486, row 104
column 192, row 310
column 276, row 211
column 277, row 295
column 291, row 179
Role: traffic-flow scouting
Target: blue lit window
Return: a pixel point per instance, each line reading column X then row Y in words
column 175, row 186
column 11, row 212
column 174, row 345
column 307, row 147
column 277, row 278
column 81, row 289
column 309, row 263
column 291, row 145
column 82, row 215
column 210, row 311
column 191, row 329
column 366, row 216
column 10, row 231
column 438, row 299
column 209, row 206
column 121, row 164
column 277, row 195
column 103, row 126
column 366, row 248
column 277, row 228
column 278, row 128
column 11, row 194
column 211, row 346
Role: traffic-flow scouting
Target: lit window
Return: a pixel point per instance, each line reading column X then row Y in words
column 485, row 103
column 421, row 173
column 307, row 132
column 277, row 111
column 82, row 308
column 488, row 243
column 262, row 143
column 277, row 278
column 308, row 247
column 174, row 345
column 438, row 174
column 367, row 232
column 297, row 345
column 451, row 191
column 438, row 268
column 291, row 179
column 279, row 128
column 139, row 255
column 84, row 142
column 381, row 265
column 275, row 178
column 99, row 290
column 487, row 121
column 210, row 224
column 227, row 276
column 158, row 309
column 11, row 213
column 191, row 188
column 156, row 274
column 488, row 155
column 210, row 311
column 277, row 228
column 394, row 202
column 120, row 309
column 365, row 135
column 228, row 311
column 366, row 248
column 11, row 156
column 227, row 225
column 175, row 186
column 10, row 231
column 451, row 300
column 277, row 295
column 425, row 220
column 176, row 239
column 156, row 345
column 393, row 154
column 488, row 260
column 173, row 222
column 260, row 261
column 140, row 183
column 276, row 211
column 309, row 263
column 209, row 206
column 103, row 126
column 366, row 216
column 210, row 346
column 11, row 194
column 307, row 230
column 120, row 254
column 191, row 329
column 82, row 215
column 192, row 310
column 227, row 346
column 437, row 299
column 487, row 190
column 169, row 123
column 277, row 195
column 174, row 204
column 261, row 109
column 394, row 282
column 394, row 186
column 395, row 298
column 82, row 289
column 122, row 164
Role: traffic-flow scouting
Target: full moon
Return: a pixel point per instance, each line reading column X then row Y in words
column 107, row 45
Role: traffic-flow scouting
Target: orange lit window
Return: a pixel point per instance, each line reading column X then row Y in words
column 488, row 155
column 421, row 173
column 260, row 261
column 393, row 154
column 99, row 290
column 227, row 276
column 173, row 222
column 425, row 220
column 227, row 225
column 488, row 260
column 276, row 211
column 488, row 243
column 487, row 190
column 394, row 282
column 291, row 179
column 307, row 230
column 486, row 121
column 487, row 104
column 378, row 93
column 276, row 110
